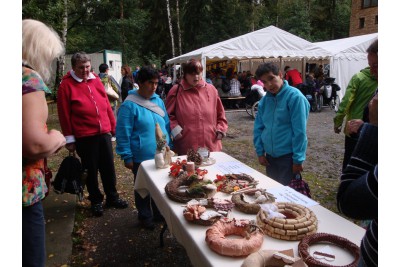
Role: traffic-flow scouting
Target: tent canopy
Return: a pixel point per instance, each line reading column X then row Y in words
column 349, row 48
column 349, row 56
column 264, row 43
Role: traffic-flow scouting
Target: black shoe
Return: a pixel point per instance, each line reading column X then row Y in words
column 97, row 209
column 147, row 224
column 118, row 203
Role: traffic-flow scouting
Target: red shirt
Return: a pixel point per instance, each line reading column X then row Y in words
column 295, row 77
column 83, row 108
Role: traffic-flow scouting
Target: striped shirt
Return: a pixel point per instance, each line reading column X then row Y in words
column 358, row 190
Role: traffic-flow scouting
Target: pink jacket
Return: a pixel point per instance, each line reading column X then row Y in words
column 198, row 114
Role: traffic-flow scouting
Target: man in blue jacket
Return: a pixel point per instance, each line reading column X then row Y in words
column 280, row 128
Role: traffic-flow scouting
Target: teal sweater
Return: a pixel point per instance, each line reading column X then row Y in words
column 135, row 130
column 281, row 124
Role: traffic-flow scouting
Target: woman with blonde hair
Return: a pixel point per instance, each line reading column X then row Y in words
column 40, row 46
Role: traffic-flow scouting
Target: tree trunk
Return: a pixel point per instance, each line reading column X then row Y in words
column 170, row 29
column 179, row 28
column 121, row 16
column 61, row 60
column 333, row 19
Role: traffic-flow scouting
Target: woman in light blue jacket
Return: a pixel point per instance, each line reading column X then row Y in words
column 135, row 134
column 280, row 128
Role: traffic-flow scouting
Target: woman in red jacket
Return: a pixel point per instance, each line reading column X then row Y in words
column 88, row 122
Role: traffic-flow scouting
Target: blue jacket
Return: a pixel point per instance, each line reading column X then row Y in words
column 135, row 130
column 280, row 127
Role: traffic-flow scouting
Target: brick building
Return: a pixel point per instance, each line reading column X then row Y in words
column 364, row 17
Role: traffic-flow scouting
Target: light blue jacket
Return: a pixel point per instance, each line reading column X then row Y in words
column 281, row 124
column 135, row 130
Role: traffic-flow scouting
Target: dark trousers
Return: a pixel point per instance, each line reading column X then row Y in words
column 280, row 168
column 96, row 154
column 147, row 209
column 33, row 236
column 349, row 146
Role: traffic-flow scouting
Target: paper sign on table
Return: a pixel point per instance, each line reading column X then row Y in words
column 229, row 167
column 288, row 194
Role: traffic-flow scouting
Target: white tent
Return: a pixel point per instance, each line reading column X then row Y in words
column 349, row 56
column 269, row 42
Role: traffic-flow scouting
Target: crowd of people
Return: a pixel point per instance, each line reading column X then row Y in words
column 190, row 115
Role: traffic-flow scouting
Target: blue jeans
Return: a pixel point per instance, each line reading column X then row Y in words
column 147, row 209
column 33, row 236
column 280, row 168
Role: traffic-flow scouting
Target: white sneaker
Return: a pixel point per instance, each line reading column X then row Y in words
column 113, row 139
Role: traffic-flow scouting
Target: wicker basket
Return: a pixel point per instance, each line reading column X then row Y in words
column 300, row 221
column 251, row 208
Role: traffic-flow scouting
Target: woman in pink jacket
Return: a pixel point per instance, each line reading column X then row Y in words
column 196, row 113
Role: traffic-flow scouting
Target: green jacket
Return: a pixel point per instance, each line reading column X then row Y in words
column 106, row 79
column 359, row 92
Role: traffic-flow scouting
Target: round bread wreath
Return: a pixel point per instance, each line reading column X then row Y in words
column 251, row 241
column 342, row 242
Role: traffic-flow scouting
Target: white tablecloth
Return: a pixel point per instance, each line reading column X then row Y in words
column 152, row 180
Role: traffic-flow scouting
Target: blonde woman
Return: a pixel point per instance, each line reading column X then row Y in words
column 40, row 46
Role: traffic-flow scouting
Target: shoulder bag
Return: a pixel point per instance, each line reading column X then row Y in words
column 110, row 91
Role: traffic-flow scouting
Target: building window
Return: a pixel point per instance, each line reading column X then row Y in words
column 361, row 23
column 369, row 3
column 376, row 19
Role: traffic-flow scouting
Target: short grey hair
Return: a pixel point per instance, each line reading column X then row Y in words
column 79, row 57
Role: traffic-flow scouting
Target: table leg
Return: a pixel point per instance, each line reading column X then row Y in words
column 164, row 228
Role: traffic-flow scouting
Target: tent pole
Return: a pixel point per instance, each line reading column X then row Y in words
column 303, row 68
column 204, row 63
column 174, row 78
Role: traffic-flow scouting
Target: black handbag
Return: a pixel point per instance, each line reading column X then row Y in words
column 301, row 186
column 69, row 177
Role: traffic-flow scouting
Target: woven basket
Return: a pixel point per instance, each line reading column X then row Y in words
column 339, row 241
column 300, row 221
column 251, row 208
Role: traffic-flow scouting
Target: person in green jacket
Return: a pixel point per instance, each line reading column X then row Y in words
column 359, row 92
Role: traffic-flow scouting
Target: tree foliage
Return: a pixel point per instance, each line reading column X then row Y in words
column 139, row 28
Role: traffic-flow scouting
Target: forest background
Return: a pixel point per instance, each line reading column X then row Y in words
column 152, row 31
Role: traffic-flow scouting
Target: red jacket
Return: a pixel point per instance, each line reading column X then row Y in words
column 293, row 77
column 83, row 108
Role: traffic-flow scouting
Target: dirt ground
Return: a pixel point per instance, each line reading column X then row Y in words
column 115, row 239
